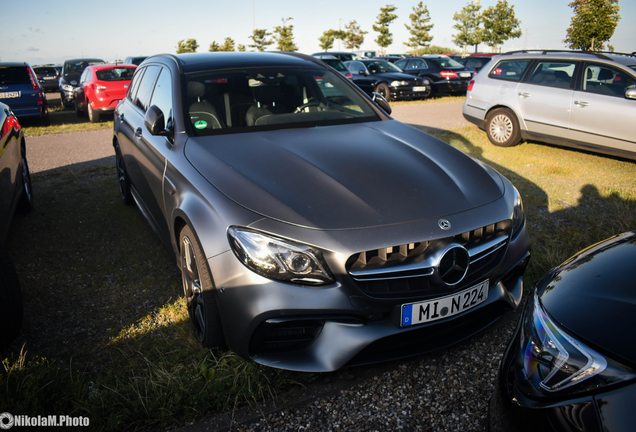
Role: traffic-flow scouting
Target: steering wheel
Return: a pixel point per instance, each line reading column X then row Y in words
column 308, row 104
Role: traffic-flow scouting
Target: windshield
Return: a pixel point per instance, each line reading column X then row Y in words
column 244, row 100
column 74, row 70
column 445, row 62
column 115, row 74
column 381, row 66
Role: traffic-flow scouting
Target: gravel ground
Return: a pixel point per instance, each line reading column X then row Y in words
column 447, row 390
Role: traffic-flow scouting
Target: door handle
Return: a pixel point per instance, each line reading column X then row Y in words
column 523, row 94
column 138, row 132
column 581, row 103
column 121, row 117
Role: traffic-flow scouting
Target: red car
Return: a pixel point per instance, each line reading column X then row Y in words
column 100, row 89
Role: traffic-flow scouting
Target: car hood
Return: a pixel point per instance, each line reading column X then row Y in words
column 393, row 76
column 346, row 176
column 594, row 296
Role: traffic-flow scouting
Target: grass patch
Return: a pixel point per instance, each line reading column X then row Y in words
column 64, row 121
column 106, row 333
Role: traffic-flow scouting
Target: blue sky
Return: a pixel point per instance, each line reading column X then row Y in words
column 48, row 31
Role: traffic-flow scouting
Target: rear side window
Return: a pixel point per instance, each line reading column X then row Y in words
column 14, row 75
column 509, row 70
column 553, row 73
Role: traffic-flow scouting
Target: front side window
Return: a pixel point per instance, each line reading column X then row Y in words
column 553, row 73
column 162, row 96
column 509, row 70
column 144, row 92
column 606, row 80
column 417, row 64
column 251, row 99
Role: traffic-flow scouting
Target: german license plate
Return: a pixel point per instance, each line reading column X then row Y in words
column 49, row 78
column 419, row 89
column 8, row 95
column 465, row 74
column 444, row 307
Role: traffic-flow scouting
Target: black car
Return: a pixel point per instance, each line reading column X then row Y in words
column 15, row 195
column 391, row 59
column 388, row 80
column 48, row 77
column 135, row 60
column 447, row 76
column 340, row 55
column 71, row 73
column 571, row 364
column 311, row 229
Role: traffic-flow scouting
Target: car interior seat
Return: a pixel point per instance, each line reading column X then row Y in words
column 203, row 114
column 267, row 101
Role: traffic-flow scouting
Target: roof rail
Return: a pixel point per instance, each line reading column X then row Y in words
column 597, row 54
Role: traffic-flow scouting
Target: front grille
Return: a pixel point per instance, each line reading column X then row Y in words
column 277, row 336
column 410, row 270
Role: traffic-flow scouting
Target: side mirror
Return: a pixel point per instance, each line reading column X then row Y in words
column 155, row 122
column 382, row 103
column 630, row 93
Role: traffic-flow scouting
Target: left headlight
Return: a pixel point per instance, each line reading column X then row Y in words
column 399, row 83
column 67, row 87
column 553, row 362
column 518, row 215
column 275, row 258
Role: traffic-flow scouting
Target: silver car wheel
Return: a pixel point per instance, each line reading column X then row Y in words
column 501, row 128
column 192, row 285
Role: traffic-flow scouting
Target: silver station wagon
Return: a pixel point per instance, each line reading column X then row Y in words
column 571, row 98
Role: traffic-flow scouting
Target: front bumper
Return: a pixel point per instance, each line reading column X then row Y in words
column 320, row 329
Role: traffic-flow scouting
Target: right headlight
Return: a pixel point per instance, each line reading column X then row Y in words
column 67, row 87
column 518, row 216
column 551, row 362
column 275, row 258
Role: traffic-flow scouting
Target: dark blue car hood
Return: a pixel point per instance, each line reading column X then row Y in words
column 347, row 176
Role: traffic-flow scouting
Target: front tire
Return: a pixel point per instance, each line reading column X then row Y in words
column 199, row 292
column 502, row 128
column 122, row 178
column 384, row 91
column 78, row 112
column 25, row 204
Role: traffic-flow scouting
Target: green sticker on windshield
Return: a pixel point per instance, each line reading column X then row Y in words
column 200, row 124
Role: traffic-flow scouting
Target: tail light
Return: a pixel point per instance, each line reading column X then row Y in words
column 348, row 75
column 97, row 88
column 449, row 74
column 34, row 80
column 470, row 85
column 10, row 123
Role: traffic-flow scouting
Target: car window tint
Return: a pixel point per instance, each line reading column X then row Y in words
column 14, row 75
column 355, row 66
column 115, row 74
column 445, row 62
column 553, row 73
column 236, row 100
column 606, row 80
column 381, row 66
column 142, row 99
column 162, row 95
column 510, row 70
column 417, row 64
column 400, row 64
column 132, row 92
column 336, row 64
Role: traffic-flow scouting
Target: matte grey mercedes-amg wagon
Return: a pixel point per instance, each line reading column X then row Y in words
column 311, row 229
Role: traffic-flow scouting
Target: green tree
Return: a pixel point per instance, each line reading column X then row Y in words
column 187, row 46
column 419, row 27
column 385, row 18
column 326, row 40
column 214, row 47
column 259, row 36
column 468, row 26
column 284, row 36
column 593, row 24
column 500, row 24
column 433, row 49
column 228, row 45
column 353, row 37
column 240, row 48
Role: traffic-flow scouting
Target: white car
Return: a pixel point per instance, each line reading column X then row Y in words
column 571, row 98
